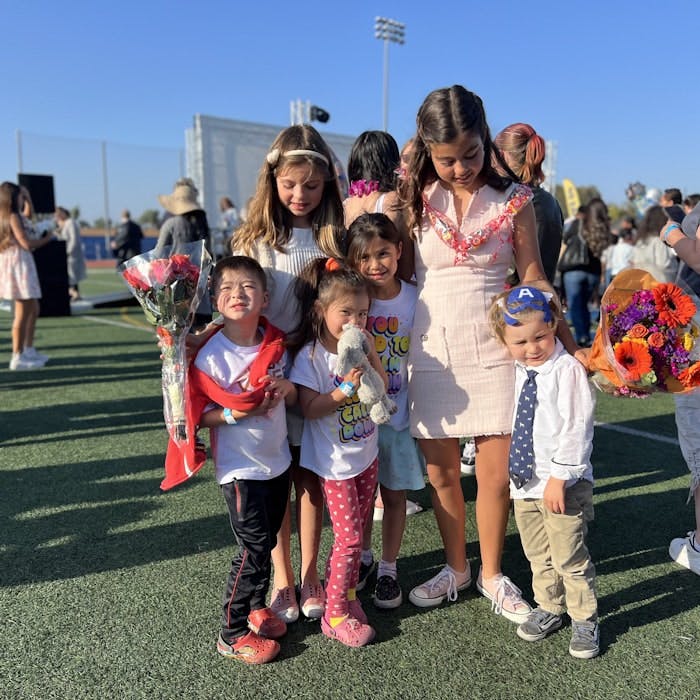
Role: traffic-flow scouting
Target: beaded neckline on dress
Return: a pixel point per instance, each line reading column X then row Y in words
column 464, row 243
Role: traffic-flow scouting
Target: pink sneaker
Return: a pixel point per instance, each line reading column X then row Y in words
column 312, row 600
column 284, row 604
column 506, row 598
column 350, row 632
column 355, row 610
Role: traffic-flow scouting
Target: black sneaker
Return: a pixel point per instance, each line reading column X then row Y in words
column 366, row 570
column 387, row 593
column 538, row 625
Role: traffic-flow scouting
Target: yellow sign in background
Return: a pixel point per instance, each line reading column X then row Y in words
column 573, row 201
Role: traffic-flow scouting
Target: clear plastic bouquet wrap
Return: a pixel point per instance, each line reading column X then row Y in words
column 647, row 339
column 170, row 284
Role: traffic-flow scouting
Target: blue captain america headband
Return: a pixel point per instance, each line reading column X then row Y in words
column 524, row 298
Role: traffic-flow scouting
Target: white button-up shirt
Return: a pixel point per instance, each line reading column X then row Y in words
column 562, row 432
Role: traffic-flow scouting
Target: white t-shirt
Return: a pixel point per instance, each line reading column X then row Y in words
column 564, row 409
column 621, row 256
column 652, row 255
column 256, row 447
column 344, row 443
column 390, row 323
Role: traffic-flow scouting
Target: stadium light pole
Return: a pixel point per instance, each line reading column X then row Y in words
column 388, row 30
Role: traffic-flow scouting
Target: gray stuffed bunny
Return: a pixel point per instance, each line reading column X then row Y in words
column 352, row 352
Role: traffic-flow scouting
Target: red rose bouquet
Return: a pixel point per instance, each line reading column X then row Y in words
column 170, row 286
column 647, row 338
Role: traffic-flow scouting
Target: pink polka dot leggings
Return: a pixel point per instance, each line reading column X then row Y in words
column 349, row 504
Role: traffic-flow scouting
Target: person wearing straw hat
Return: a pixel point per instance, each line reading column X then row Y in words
column 187, row 224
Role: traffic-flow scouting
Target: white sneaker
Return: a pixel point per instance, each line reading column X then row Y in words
column 506, row 599
column 467, row 469
column 442, row 586
column 32, row 354
column 683, row 550
column 20, row 362
column 468, row 461
column 411, row 509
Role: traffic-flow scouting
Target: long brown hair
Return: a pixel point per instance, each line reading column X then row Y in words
column 595, row 227
column 444, row 116
column 654, row 220
column 9, row 205
column 270, row 222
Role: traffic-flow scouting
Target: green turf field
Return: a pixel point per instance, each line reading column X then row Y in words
column 109, row 588
column 102, row 280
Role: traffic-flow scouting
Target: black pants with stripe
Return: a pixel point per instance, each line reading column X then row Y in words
column 256, row 509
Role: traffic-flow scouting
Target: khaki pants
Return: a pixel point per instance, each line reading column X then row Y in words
column 563, row 575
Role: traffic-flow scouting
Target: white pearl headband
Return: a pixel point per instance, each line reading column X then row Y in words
column 274, row 155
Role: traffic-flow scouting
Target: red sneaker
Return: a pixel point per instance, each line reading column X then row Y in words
column 250, row 648
column 265, row 623
column 350, row 632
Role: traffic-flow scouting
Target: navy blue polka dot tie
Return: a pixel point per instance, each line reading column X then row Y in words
column 521, row 458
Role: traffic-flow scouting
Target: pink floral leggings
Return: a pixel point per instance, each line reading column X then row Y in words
column 349, row 504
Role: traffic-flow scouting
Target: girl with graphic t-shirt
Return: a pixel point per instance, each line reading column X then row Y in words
column 374, row 249
column 339, row 442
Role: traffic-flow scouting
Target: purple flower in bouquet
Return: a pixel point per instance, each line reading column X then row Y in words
column 645, row 344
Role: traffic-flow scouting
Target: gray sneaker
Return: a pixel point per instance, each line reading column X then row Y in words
column 585, row 640
column 538, row 625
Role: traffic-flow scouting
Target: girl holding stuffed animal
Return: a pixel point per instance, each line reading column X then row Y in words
column 339, row 442
column 296, row 216
column 374, row 249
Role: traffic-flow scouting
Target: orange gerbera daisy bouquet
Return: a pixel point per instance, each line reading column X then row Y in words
column 647, row 340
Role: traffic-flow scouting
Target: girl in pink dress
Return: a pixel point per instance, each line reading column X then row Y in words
column 468, row 224
column 18, row 278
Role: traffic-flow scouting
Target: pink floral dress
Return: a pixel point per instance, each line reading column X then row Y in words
column 460, row 376
column 18, row 275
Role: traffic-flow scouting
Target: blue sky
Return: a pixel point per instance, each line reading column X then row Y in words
column 611, row 82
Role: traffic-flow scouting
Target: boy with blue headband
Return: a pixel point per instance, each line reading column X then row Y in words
column 550, row 467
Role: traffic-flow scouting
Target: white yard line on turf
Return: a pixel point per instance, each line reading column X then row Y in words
column 638, row 433
column 120, row 324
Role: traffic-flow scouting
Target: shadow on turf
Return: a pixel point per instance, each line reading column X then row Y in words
column 82, row 420
column 69, row 520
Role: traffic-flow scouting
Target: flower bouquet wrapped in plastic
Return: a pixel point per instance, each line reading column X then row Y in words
column 169, row 286
column 647, row 339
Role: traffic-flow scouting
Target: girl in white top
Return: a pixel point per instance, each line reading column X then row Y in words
column 339, row 442
column 294, row 217
column 650, row 253
column 374, row 249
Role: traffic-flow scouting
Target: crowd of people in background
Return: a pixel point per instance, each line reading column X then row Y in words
column 478, row 302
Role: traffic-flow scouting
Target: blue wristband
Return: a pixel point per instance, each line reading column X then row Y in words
column 348, row 388
column 670, row 227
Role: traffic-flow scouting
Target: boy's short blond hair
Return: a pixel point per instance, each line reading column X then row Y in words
column 499, row 305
